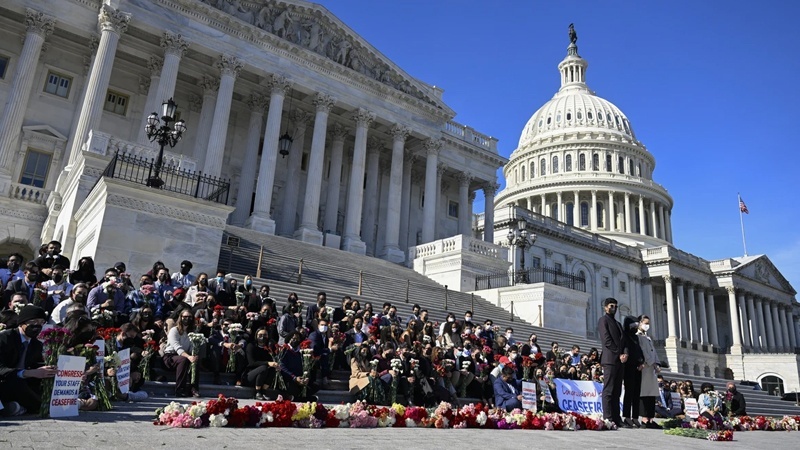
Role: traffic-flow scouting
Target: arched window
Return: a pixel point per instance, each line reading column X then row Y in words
column 636, row 222
column 582, row 275
column 549, row 119
column 569, row 117
column 772, row 383
column 630, row 167
column 608, row 163
column 582, row 161
column 639, row 170
column 554, row 168
column 589, row 115
column 568, row 163
column 584, row 214
column 595, row 162
column 570, row 213
column 647, row 230
column 600, row 211
column 558, row 117
column 543, row 167
column 522, row 172
column 554, row 211
column 533, row 168
column 580, row 115
column 516, row 175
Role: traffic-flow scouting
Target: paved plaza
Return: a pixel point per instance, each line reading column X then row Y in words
column 130, row 425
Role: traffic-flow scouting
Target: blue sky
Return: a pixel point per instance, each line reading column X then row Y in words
column 710, row 88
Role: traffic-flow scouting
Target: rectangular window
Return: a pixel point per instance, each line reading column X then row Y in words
column 116, row 103
column 3, row 66
column 537, row 262
column 304, row 165
column 452, row 209
column 621, row 164
column 34, row 171
column 58, row 84
column 558, row 267
column 622, row 286
column 605, row 282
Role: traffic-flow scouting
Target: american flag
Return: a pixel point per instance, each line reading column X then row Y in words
column 742, row 206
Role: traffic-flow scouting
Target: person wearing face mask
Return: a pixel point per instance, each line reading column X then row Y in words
column 445, row 326
column 201, row 285
column 26, row 285
column 613, row 358
column 257, row 301
column 288, row 323
column 58, row 287
column 510, row 337
column 51, row 257
column 738, row 404
column 78, row 295
column 12, row 270
column 319, row 343
column 85, row 273
column 221, row 346
column 178, row 356
column 20, row 363
column 312, row 312
column 451, row 337
column 108, row 296
column 650, row 369
column 632, row 372
column 292, row 371
column 145, row 295
column 261, row 366
column 183, row 278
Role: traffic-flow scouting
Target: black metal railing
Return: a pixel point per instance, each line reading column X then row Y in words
column 533, row 275
column 174, row 179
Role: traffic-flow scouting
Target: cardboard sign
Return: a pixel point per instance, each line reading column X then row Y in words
column 529, row 396
column 124, row 371
column 582, row 397
column 67, row 384
column 676, row 403
column 692, row 408
column 101, row 353
column 548, row 397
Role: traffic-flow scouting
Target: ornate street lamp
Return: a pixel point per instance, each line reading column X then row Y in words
column 522, row 239
column 161, row 132
column 285, row 141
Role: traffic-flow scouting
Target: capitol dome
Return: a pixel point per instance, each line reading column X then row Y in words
column 579, row 162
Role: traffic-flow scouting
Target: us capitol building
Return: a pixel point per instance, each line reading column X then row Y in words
column 288, row 123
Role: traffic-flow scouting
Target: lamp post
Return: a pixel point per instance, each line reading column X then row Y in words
column 522, row 239
column 161, row 132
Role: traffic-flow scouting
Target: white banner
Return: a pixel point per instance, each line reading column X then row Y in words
column 124, row 371
column 67, row 384
column 582, row 397
column 529, row 396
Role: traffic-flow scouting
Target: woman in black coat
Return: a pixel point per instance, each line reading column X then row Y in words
column 632, row 372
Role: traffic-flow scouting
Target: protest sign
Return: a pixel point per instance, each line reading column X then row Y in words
column 124, row 371
column 528, row 396
column 583, row 397
column 691, row 407
column 548, row 397
column 101, row 353
column 67, row 384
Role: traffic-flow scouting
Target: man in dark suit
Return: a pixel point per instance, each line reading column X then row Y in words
column 613, row 358
column 24, row 285
column 319, row 341
column 507, row 390
column 20, row 361
column 311, row 312
column 48, row 260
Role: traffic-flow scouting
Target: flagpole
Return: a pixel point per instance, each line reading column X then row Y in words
column 741, row 221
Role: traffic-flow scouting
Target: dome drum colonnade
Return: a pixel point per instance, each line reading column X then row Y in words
column 572, row 150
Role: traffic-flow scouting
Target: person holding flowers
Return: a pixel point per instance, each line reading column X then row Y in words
column 178, row 355
column 20, row 360
column 710, row 403
column 292, row 371
column 261, row 364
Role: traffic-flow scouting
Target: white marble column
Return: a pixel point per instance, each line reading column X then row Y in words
column 560, row 208
column 355, row 193
column 700, row 298
column 309, row 224
column 790, row 332
column 745, row 321
column 405, row 204
column 612, row 219
column 669, row 225
column 175, row 47
column 671, row 309
column 291, row 189
column 661, row 221
column 784, row 327
column 713, row 334
column 753, row 319
column 733, row 316
column 759, row 315
column 257, row 104
column 151, row 104
column 38, row 27
column 593, row 212
column 768, row 325
column 338, row 134
column 543, row 208
column 489, row 189
column 113, row 23
column 776, row 327
column 654, row 223
column 628, row 213
column 683, row 315
column 391, row 249
column 261, row 219
column 576, row 209
column 369, row 216
column 464, row 219
column 642, row 218
column 432, row 148
column 694, row 315
column 229, row 67
column 210, row 86
column 649, row 298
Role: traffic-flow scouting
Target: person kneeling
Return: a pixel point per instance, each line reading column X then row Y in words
column 507, row 390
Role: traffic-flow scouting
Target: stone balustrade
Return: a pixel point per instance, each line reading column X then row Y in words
column 469, row 134
column 26, row 193
column 105, row 144
column 458, row 243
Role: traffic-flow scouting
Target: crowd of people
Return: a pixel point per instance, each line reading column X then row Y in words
column 292, row 347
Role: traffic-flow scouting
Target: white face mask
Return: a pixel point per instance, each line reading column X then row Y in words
column 323, row 328
column 644, row 327
column 508, row 335
column 450, row 319
column 512, row 356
